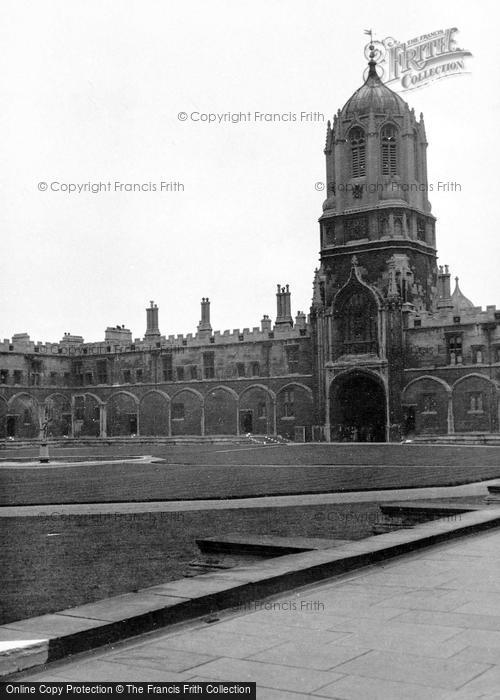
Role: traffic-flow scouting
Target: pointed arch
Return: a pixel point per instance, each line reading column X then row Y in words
column 155, row 391
column 57, row 395
column 265, row 388
column 98, row 399
column 427, row 402
column 190, row 390
column 221, row 411
column 356, row 318
column 122, row 414
column 88, row 414
column 358, row 406
column 299, row 385
column 429, row 377
column 229, row 390
column 154, row 413
column 20, row 394
column 123, row 392
column 354, row 280
column 257, row 410
column 25, row 415
column 475, row 403
column 187, row 412
column 58, row 413
column 293, row 409
column 478, row 375
column 363, row 370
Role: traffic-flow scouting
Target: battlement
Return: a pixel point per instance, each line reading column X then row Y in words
column 454, row 317
column 119, row 340
column 26, row 346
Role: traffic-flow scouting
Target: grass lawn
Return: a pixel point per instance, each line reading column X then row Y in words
column 52, row 563
column 329, row 454
column 156, row 482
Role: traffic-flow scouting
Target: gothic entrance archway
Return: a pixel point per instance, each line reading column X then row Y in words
column 358, row 408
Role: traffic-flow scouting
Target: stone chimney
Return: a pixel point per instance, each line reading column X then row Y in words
column 300, row 319
column 152, row 329
column 444, row 291
column 283, row 312
column 265, row 324
column 204, row 327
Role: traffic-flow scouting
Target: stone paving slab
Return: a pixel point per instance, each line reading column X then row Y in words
column 124, row 607
column 452, row 619
column 359, row 688
column 197, row 586
column 220, row 643
column 53, row 624
column 355, row 610
column 441, row 673
column 268, row 675
column 305, row 655
column 154, row 657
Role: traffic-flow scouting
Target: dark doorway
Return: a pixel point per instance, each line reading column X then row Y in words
column 246, row 421
column 357, row 409
column 133, row 424
column 11, row 426
column 410, row 421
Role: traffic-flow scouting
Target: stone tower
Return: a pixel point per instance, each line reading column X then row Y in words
column 378, row 261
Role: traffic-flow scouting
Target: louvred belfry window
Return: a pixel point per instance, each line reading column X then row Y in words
column 389, row 151
column 357, row 141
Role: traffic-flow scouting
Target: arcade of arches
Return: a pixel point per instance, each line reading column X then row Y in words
column 219, row 411
column 435, row 407
column 357, row 410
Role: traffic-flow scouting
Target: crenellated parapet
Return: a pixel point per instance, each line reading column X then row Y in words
column 450, row 317
column 27, row 346
column 118, row 339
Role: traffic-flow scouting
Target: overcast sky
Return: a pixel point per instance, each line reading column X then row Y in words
column 91, row 92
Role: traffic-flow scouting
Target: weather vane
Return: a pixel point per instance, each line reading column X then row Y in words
column 370, row 34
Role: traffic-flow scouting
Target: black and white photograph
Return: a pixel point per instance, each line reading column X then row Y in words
column 249, row 350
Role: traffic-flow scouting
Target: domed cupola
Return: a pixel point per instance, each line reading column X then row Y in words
column 373, row 96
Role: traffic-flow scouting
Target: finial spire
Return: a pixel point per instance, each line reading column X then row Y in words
column 371, row 63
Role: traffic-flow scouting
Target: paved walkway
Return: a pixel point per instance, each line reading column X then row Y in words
column 426, row 625
column 475, row 489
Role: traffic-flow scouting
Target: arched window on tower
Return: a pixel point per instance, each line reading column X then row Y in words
column 389, row 151
column 358, row 157
column 358, row 324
